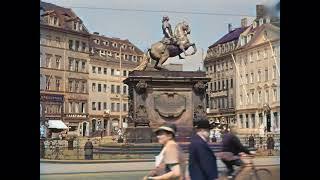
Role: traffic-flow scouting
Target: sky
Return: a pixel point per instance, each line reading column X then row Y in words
column 144, row 28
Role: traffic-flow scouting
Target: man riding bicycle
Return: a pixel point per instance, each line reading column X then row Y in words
column 231, row 149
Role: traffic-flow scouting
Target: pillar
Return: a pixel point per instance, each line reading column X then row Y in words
column 272, row 121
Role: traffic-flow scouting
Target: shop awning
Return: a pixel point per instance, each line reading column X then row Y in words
column 57, row 124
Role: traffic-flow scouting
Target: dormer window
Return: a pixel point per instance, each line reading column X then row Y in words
column 254, row 24
column 114, row 44
column 106, row 43
column 260, row 21
column 124, row 46
column 102, row 53
column 97, row 41
column 109, row 53
column 55, row 21
column 74, row 25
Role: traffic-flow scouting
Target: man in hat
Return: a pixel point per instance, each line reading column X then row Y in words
column 231, row 148
column 202, row 161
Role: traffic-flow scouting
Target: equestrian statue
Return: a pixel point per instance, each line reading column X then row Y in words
column 172, row 44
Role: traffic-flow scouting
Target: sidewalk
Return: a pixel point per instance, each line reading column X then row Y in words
column 125, row 166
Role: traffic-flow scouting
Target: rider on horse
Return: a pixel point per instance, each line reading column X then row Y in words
column 168, row 38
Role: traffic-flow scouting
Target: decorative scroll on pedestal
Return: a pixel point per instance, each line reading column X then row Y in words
column 141, row 87
column 170, row 105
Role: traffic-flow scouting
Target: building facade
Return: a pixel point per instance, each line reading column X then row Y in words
column 64, row 61
column 220, row 67
column 108, row 96
column 258, row 80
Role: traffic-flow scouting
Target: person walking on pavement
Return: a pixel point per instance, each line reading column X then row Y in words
column 88, row 150
column 202, row 161
column 270, row 145
column 251, row 141
column 170, row 158
column 231, row 148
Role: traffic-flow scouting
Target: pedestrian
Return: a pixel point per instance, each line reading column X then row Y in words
column 231, row 148
column 101, row 134
column 270, row 145
column 202, row 161
column 251, row 141
column 170, row 163
column 88, row 150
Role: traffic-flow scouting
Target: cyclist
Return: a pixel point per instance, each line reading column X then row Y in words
column 231, row 149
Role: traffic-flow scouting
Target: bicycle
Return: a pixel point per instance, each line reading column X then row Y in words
column 253, row 173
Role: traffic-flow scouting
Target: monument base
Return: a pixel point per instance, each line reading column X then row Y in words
column 139, row 134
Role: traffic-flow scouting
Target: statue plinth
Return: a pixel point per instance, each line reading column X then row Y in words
column 159, row 97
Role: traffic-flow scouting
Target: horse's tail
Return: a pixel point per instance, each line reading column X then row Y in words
column 144, row 62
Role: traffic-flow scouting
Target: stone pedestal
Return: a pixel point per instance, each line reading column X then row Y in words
column 160, row 97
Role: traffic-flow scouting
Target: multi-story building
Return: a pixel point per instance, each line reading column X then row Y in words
column 219, row 66
column 258, row 77
column 111, row 60
column 64, row 59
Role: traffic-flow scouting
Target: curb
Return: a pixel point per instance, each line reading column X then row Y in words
column 113, row 161
column 220, row 170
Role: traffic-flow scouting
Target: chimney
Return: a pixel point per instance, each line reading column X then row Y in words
column 96, row 33
column 244, row 22
column 229, row 27
column 261, row 11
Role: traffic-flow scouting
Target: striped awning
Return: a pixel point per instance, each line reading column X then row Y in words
column 57, row 124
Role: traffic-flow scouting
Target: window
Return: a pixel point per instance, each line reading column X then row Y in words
column 260, row 119
column 70, row 63
column 57, row 84
column 274, row 73
column 252, row 78
column 58, row 58
column 99, row 70
column 218, row 85
column 71, row 44
column 75, row 25
column 231, row 101
column 118, row 89
column 48, row 60
column 104, row 105
column 259, row 76
column 124, row 89
column 70, row 86
column 266, row 74
column 124, row 73
column 76, row 86
column 251, row 57
column 252, row 97
column 112, row 107
column 77, row 45
column 259, row 96
column 247, row 121
column 83, row 109
column 210, row 86
column 93, row 69
column 83, row 45
column 258, row 55
column 93, row 87
column 275, row 97
column 267, row 96
column 241, row 99
column 215, row 86
column 99, row 106
column 104, row 70
column 77, row 66
column 104, row 88
column 214, row 68
column 112, row 72
column 253, row 121
column 276, row 119
column 55, row 21
column 247, row 78
column 112, row 89
column 231, row 83
column 83, row 87
column 114, row 44
column 94, row 106
column 125, row 107
column 118, row 107
column 99, row 87
column 223, row 87
column 265, row 55
column 241, row 120
column 227, row 65
column 83, row 66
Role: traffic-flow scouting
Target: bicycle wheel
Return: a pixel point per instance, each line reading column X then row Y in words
column 261, row 174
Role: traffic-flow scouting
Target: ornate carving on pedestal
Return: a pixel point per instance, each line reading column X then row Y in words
column 200, row 87
column 141, row 87
column 199, row 112
column 170, row 105
column 141, row 116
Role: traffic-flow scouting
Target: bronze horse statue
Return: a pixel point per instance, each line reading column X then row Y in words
column 160, row 52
